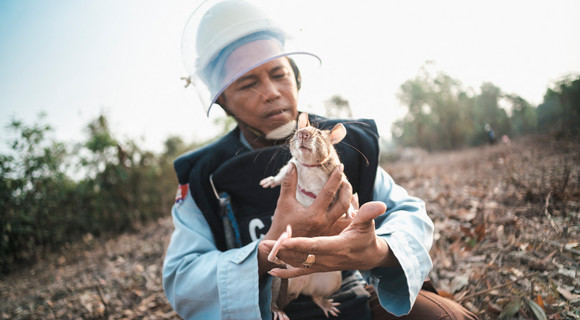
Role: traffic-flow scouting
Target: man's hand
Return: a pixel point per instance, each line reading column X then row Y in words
column 355, row 248
column 323, row 218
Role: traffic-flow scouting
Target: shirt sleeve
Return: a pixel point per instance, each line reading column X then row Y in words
column 408, row 231
column 202, row 282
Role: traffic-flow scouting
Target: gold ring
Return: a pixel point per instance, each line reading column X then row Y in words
column 309, row 261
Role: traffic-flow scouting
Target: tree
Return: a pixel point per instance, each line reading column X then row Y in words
column 436, row 111
column 444, row 115
column 560, row 110
column 523, row 118
column 116, row 187
column 33, row 185
column 487, row 110
column 338, row 107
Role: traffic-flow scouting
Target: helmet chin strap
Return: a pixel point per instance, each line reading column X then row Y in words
column 283, row 131
column 276, row 136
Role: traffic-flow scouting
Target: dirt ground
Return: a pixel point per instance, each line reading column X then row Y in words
column 506, row 225
column 506, row 242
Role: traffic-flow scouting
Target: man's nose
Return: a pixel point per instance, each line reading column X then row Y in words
column 270, row 90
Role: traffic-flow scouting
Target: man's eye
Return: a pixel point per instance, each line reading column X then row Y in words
column 247, row 85
column 280, row 75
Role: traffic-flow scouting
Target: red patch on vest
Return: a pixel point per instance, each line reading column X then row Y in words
column 182, row 190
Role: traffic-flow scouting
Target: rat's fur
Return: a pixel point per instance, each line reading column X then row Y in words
column 315, row 158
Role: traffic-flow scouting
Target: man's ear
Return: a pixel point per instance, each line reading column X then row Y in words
column 296, row 71
column 221, row 101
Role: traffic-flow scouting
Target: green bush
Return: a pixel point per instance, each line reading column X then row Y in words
column 52, row 194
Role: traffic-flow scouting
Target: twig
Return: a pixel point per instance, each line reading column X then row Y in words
column 479, row 293
column 561, row 246
column 552, row 223
column 102, row 296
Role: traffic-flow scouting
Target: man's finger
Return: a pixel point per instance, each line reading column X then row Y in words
column 354, row 201
column 290, row 272
column 328, row 192
column 295, row 250
column 369, row 212
column 285, row 235
column 288, row 187
column 342, row 204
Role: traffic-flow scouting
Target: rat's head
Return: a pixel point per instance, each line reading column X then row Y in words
column 313, row 146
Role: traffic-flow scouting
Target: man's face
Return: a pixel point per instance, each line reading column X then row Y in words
column 265, row 97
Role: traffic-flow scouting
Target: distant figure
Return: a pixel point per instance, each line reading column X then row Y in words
column 490, row 134
column 506, row 140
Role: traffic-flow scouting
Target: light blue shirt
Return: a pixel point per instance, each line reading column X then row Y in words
column 202, row 282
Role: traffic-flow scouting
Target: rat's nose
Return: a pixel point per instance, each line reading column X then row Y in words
column 303, row 135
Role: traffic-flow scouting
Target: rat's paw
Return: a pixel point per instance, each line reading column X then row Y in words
column 279, row 314
column 328, row 306
column 268, row 182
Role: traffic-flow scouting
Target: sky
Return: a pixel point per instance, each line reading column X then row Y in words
column 76, row 59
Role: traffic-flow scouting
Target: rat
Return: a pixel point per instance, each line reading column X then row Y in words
column 315, row 158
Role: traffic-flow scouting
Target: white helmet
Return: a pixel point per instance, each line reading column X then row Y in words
column 223, row 40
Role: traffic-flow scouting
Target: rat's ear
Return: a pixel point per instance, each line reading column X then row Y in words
column 303, row 120
column 337, row 133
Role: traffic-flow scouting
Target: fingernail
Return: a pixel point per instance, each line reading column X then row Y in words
column 341, row 167
column 291, row 170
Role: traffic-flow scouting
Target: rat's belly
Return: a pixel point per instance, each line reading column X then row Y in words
column 322, row 284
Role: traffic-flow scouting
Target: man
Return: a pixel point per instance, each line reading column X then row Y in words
column 226, row 224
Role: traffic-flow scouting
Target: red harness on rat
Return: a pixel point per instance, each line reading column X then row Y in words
column 304, row 191
column 307, row 193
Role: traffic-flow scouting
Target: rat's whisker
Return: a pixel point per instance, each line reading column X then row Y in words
column 263, row 95
column 362, row 154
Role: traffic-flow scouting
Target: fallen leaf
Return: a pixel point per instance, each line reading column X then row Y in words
column 567, row 294
column 459, row 282
column 445, row 294
column 511, row 308
column 537, row 310
column 480, row 231
column 571, row 245
column 567, row 272
column 540, row 301
column 493, row 308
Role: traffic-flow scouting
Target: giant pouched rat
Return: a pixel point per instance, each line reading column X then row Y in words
column 315, row 158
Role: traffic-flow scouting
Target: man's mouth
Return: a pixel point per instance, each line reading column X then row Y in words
column 275, row 113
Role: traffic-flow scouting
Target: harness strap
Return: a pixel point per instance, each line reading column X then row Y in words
column 307, row 193
column 316, row 164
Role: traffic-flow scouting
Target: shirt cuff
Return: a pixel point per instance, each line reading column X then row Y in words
column 398, row 287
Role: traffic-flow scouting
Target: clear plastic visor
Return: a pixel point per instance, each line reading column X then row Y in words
column 211, row 81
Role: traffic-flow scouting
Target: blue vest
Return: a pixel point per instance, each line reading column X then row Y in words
column 237, row 171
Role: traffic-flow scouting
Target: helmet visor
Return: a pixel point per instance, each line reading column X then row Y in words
column 215, row 54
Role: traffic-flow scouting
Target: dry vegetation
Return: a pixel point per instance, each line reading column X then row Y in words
column 506, row 243
column 506, row 226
